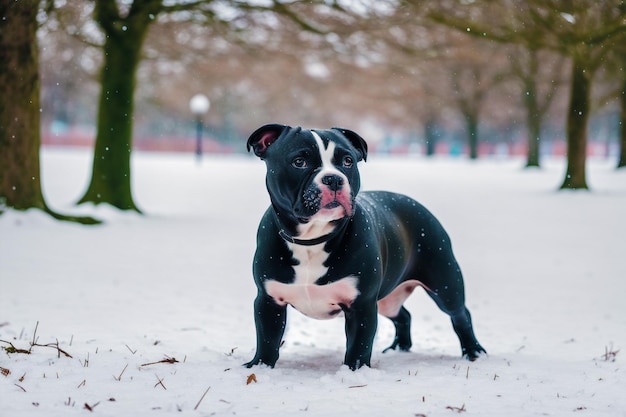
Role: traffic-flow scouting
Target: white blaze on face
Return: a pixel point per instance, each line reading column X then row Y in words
column 316, row 301
column 319, row 224
column 326, row 155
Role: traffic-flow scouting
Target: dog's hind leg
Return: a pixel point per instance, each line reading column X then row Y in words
column 402, row 340
column 443, row 280
column 461, row 322
column 391, row 306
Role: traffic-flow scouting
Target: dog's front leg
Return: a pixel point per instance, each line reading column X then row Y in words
column 361, row 323
column 270, row 319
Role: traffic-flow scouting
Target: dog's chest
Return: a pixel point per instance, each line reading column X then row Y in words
column 316, row 301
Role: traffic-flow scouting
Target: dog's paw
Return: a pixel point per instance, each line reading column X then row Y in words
column 397, row 346
column 356, row 364
column 258, row 362
column 474, row 353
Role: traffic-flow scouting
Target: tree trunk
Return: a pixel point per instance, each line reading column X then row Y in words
column 533, row 116
column 110, row 178
column 534, row 133
column 622, row 121
column 577, row 120
column 111, row 174
column 471, row 122
column 20, row 182
column 431, row 133
column 20, row 136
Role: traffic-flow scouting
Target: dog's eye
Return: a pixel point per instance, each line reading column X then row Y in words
column 299, row 162
column 348, row 161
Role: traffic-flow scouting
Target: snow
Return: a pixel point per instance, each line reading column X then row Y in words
column 544, row 277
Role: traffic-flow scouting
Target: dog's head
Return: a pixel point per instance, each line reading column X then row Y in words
column 312, row 175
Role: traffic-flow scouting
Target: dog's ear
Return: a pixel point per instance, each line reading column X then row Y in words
column 263, row 137
column 357, row 141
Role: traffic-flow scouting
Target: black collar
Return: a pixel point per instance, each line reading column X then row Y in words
column 312, row 242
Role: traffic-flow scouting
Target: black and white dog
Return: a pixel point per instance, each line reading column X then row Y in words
column 324, row 249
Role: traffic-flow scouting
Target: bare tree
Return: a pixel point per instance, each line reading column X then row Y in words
column 615, row 69
column 473, row 76
column 584, row 31
column 539, row 75
column 124, row 31
column 20, row 175
column 443, row 73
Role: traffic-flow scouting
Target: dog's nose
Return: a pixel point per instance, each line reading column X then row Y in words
column 334, row 182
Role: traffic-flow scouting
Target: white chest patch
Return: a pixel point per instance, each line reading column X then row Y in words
column 311, row 299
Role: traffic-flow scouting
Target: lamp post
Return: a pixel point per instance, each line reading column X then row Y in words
column 199, row 106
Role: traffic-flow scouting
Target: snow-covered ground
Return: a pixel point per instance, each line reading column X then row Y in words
column 545, row 275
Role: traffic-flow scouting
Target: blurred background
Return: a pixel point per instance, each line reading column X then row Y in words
column 438, row 77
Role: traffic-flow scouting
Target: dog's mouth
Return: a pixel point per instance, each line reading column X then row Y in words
column 331, row 211
column 323, row 204
column 327, row 209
